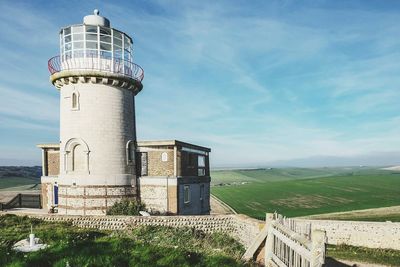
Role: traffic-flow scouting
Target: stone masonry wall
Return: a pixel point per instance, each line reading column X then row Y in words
column 354, row 233
column 157, row 167
column 53, row 163
column 241, row 227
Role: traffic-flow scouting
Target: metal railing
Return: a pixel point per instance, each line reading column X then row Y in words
column 23, row 201
column 98, row 62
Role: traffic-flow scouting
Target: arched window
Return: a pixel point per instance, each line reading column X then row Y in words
column 76, row 156
column 164, row 156
column 130, row 152
column 75, row 101
column 78, row 159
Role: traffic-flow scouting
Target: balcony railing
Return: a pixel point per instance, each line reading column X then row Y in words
column 98, row 63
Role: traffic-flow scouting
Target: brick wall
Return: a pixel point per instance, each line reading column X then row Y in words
column 157, row 167
column 53, row 163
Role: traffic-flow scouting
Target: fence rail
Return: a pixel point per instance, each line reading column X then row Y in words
column 99, row 62
column 23, row 201
column 287, row 244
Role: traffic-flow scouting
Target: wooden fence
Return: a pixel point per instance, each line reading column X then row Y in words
column 23, row 201
column 283, row 243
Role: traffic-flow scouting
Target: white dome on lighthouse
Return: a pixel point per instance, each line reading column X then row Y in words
column 96, row 19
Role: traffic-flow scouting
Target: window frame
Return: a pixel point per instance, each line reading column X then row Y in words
column 130, row 153
column 75, row 105
column 186, row 197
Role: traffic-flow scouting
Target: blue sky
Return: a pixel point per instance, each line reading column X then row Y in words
column 257, row 81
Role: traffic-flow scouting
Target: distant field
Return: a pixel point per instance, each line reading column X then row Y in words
column 299, row 192
column 17, row 181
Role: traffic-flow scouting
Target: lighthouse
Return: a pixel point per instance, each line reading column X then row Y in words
column 98, row 81
column 98, row 161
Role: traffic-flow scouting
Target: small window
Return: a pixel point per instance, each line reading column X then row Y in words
column 75, row 101
column 130, row 152
column 186, row 194
column 143, row 163
column 201, row 172
column 201, row 161
column 164, row 156
column 202, row 192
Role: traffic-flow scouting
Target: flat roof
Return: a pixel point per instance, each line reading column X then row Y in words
column 51, row 145
column 172, row 143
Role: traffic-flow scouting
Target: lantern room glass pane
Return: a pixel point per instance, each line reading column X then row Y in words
column 91, row 45
column 117, row 34
column 77, row 37
column 105, row 38
column 104, row 46
column 91, row 37
column 68, row 38
column 77, row 29
column 91, row 29
column 78, row 45
column 67, row 31
column 117, row 42
column 105, row 30
column 68, row 46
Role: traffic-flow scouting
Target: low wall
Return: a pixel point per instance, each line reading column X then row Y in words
column 241, row 227
column 365, row 234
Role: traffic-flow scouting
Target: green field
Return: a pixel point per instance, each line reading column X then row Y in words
column 17, row 181
column 300, row 191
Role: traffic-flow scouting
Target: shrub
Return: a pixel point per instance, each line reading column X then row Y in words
column 126, row 207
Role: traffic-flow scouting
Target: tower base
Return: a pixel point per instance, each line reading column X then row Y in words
column 91, row 199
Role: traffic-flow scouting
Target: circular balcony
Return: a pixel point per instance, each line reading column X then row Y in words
column 96, row 62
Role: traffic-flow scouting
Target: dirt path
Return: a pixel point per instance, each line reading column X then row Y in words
column 347, row 263
column 219, row 207
column 357, row 213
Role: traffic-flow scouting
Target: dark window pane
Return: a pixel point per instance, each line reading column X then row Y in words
column 91, row 29
column 67, row 31
column 117, row 35
column 105, row 30
column 118, row 42
column 105, row 38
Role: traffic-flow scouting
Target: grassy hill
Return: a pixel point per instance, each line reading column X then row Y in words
column 300, row 191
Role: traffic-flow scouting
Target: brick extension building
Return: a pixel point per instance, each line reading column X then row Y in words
column 98, row 160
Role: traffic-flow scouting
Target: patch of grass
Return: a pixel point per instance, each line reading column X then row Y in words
column 144, row 246
column 360, row 254
column 353, row 189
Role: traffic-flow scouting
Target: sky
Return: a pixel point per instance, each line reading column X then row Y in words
column 256, row 81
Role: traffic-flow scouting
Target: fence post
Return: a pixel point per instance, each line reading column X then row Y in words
column 318, row 240
column 269, row 242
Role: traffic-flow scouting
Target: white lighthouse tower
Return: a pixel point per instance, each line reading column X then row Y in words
column 98, row 82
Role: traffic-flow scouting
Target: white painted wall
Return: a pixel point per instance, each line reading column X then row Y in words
column 105, row 122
